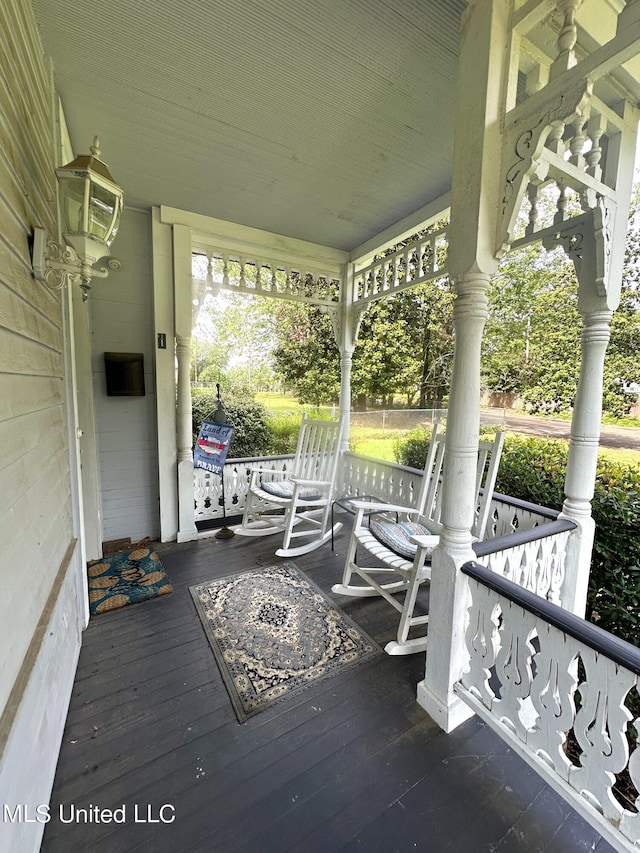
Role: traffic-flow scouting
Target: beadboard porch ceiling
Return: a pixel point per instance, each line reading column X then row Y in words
column 324, row 120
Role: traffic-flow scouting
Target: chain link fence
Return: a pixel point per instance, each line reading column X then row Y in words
column 405, row 419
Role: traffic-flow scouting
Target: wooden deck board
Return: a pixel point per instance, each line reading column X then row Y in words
column 351, row 763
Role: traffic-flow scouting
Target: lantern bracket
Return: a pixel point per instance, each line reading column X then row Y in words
column 58, row 265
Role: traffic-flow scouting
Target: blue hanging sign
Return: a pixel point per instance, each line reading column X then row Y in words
column 212, row 446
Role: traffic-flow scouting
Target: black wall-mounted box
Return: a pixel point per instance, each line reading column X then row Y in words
column 125, row 374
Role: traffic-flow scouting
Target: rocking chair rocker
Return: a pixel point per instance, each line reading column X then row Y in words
column 303, row 498
column 403, row 544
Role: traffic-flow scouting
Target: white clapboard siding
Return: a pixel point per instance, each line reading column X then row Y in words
column 122, row 321
column 40, row 559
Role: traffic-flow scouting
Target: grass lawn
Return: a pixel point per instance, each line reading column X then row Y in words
column 379, row 443
column 284, row 403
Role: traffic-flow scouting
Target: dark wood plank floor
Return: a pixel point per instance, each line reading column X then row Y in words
column 353, row 763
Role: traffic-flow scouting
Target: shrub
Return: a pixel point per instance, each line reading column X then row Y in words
column 411, row 450
column 533, row 469
column 251, row 435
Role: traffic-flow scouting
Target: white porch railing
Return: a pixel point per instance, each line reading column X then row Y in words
column 558, row 690
column 361, row 475
column 533, row 558
column 207, row 487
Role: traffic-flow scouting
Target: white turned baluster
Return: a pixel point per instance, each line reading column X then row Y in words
column 225, row 270
column 578, row 139
column 378, row 278
column 561, row 204
column 532, row 194
column 567, row 38
column 555, row 142
column 210, row 272
column 395, row 279
column 596, row 126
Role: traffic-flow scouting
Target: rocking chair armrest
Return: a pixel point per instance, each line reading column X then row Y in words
column 425, row 540
column 298, row 481
column 253, row 470
column 382, row 507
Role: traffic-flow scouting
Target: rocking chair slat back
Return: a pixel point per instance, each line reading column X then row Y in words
column 299, row 506
column 432, row 471
column 317, row 451
column 489, row 453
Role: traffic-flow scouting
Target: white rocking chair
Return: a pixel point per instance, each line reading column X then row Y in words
column 277, row 502
column 403, row 546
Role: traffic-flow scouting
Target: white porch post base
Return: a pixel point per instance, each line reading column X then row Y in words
column 187, row 530
column 577, row 564
column 448, row 716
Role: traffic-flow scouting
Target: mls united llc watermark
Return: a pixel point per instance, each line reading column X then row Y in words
column 70, row 813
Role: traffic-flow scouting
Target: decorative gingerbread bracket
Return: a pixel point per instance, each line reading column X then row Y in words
column 524, row 139
column 586, row 239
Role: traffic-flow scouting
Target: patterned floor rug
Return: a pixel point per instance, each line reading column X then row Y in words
column 125, row 578
column 274, row 633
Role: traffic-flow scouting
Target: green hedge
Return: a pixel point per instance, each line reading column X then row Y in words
column 256, row 432
column 533, row 469
column 251, row 435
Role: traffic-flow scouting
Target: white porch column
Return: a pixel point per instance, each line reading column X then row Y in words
column 346, row 362
column 449, row 601
column 583, row 458
column 346, row 323
column 472, row 260
column 183, row 314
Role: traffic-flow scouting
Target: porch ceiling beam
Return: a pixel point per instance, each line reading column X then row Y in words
column 531, row 14
column 219, row 233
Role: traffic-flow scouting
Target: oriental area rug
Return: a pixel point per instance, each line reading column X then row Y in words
column 274, row 633
column 125, row 578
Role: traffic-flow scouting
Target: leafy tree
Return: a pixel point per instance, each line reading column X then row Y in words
column 306, row 355
column 531, row 342
column 406, row 345
column 233, row 340
column 622, row 374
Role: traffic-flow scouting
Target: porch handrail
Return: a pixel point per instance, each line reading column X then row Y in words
column 528, row 661
column 522, row 537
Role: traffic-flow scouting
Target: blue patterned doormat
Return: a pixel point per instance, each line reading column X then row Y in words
column 274, row 633
column 125, row 578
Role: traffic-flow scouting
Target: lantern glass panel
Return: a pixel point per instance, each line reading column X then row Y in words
column 72, row 194
column 103, row 207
